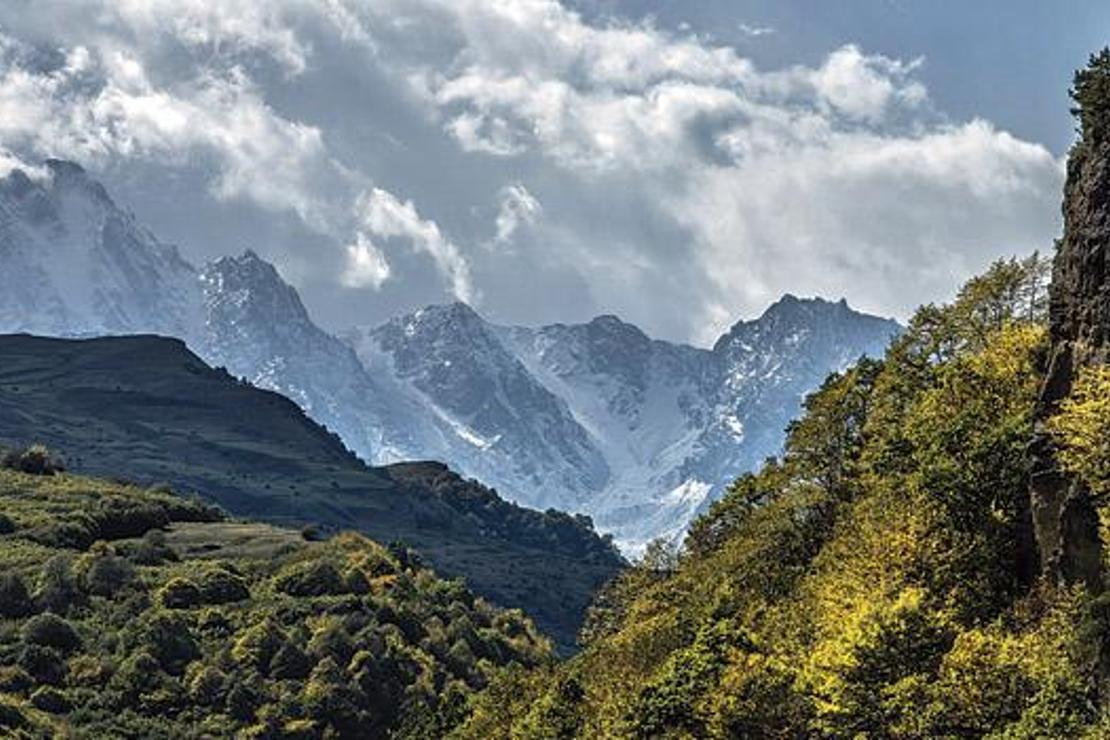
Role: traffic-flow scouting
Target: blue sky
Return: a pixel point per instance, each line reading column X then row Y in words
column 679, row 164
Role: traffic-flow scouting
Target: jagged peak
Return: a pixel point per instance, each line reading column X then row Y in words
column 248, row 265
column 455, row 313
column 799, row 312
column 65, row 168
column 55, row 175
column 613, row 325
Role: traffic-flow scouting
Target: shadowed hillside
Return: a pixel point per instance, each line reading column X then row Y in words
column 146, row 409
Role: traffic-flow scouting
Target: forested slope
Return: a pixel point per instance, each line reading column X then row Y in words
column 130, row 612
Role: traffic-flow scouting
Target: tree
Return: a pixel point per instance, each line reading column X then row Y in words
column 1081, row 430
column 1091, row 93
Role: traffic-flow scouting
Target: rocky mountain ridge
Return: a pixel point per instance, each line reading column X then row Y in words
column 593, row 418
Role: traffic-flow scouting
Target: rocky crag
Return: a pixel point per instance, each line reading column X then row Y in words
column 1064, row 517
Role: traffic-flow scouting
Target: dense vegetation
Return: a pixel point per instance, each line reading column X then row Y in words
column 146, row 409
column 131, row 612
column 879, row 580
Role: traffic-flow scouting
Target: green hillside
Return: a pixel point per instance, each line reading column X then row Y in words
column 129, row 612
column 148, row 410
column 927, row 558
column 877, row 581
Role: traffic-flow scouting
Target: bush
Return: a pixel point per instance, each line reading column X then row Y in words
column 103, row 573
column 179, row 593
column 50, row 630
column 242, row 701
column 15, row 602
column 153, row 550
column 11, row 716
column 315, row 578
column 330, row 640
column 206, row 684
column 56, row 590
column 50, row 699
column 140, row 672
column 7, row 524
column 257, row 646
column 14, row 680
column 169, row 639
column 290, row 662
column 117, row 518
column 223, row 587
column 44, row 664
column 34, row 460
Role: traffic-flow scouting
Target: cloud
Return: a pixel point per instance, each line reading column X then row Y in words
column 366, row 265
column 518, row 208
column 673, row 171
column 384, row 215
column 754, row 31
column 863, row 86
column 96, row 106
column 838, row 179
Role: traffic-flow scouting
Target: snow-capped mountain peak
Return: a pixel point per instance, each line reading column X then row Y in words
column 596, row 418
column 76, row 264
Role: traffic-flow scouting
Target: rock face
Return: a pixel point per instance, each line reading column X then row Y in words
column 256, row 326
column 73, row 263
column 1064, row 518
column 474, row 404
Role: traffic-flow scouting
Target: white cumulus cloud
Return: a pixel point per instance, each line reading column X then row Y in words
column 682, row 184
column 384, row 215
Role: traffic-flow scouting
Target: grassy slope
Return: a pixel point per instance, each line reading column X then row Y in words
column 147, row 409
column 407, row 621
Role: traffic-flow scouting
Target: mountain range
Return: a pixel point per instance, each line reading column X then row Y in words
column 597, row 418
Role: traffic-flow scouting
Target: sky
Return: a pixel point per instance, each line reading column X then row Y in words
column 681, row 165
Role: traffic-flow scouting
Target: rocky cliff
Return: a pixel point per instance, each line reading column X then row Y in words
column 1064, row 518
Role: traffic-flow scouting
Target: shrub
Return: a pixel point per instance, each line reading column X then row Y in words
column 257, row 646
column 88, row 670
column 44, row 664
column 11, row 716
column 179, row 593
column 153, row 550
column 56, row 590
column 34, row 460
column 222, row 587
column 168, row 638
column 103, row 573
column 7, row 524
column 50, row 699
column 117, row 518
column 15, row 602
column 314, row 578
column 242, row 701
column 290, row 662
column 14, row 680
column 206, row 684
column 330, row 640
column 139, row 673
column 50, row 630
column 356, row 582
